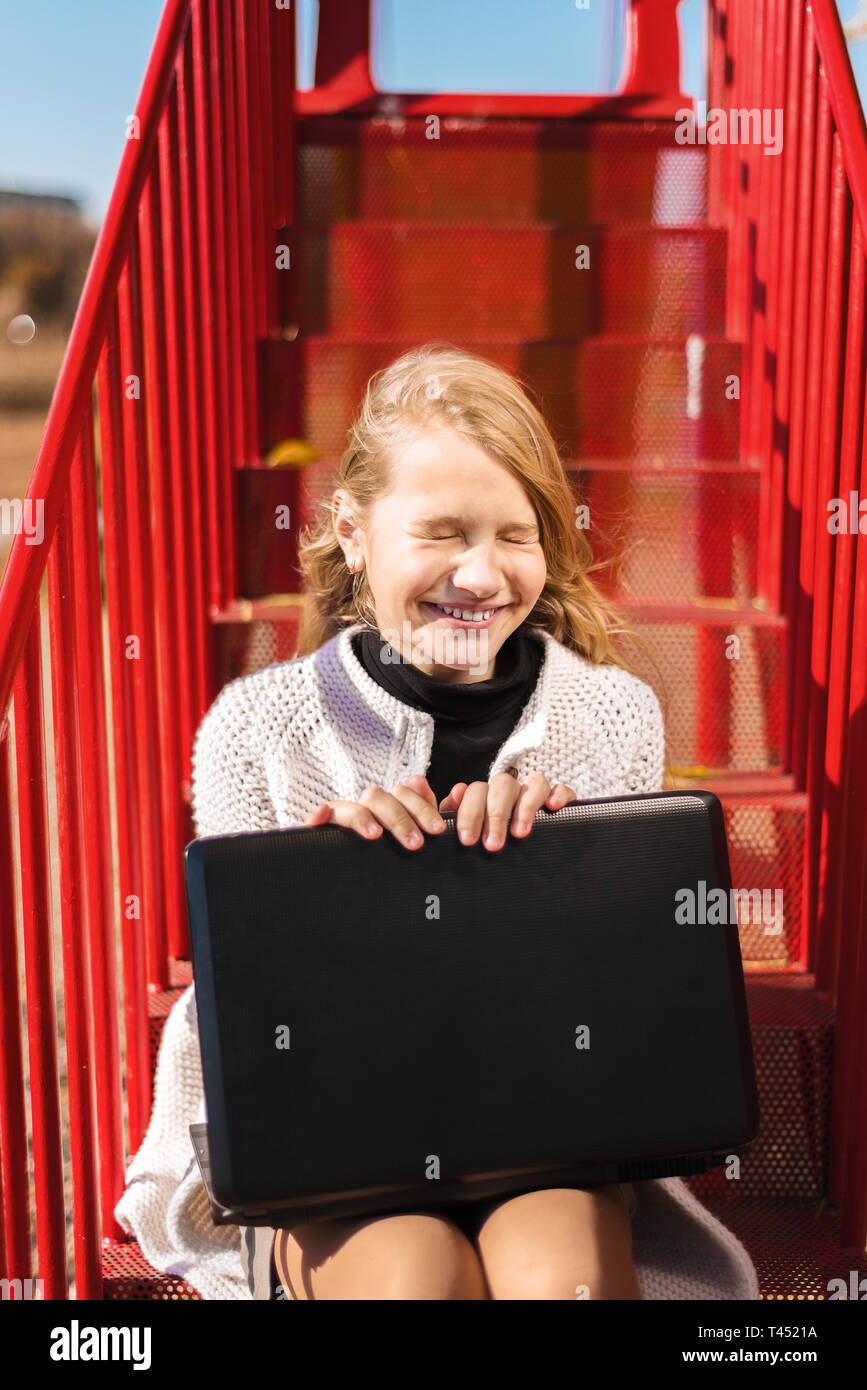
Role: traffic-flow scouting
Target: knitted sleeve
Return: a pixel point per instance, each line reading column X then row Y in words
column 230, row 790
column 647, row 767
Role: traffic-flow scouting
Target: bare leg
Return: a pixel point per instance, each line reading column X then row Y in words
column 407, row 1256
column 560, row 1243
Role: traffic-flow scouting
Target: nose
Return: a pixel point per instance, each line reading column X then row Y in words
column 477, row 572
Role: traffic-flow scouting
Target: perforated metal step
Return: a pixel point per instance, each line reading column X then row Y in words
column 498, row 170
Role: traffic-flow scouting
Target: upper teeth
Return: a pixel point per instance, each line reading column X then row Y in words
column 467, row 614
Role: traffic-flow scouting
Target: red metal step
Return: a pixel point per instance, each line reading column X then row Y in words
column 792, row 1031
column 719, row 673
column 428, row 280
column 766, row 836
column 493, row 170
column 614, row 397
column 670, row 534
column 794, row 1244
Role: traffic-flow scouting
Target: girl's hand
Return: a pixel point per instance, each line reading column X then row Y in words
column 488, row 806
column 402, row 810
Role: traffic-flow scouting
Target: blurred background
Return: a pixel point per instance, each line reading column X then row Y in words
column 71, row 75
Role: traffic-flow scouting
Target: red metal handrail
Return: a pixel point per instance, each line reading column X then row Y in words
column 177, row 297
column 797, row 224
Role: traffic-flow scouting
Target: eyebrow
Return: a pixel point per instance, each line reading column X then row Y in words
column 524, row 526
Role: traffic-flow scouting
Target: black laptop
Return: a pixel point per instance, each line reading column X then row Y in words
column 383, row 1028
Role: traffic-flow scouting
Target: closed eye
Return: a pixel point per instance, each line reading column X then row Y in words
column 510, row 540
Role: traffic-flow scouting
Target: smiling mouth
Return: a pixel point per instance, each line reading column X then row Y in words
column 476, row 617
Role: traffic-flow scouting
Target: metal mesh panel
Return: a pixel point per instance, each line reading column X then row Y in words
column 127, row 1276
column 247, row 647
column 720, row 684
column 499, row 171
column 795, row 1246
column 766, row 850
column 671, row 536
column 612, row 398
column 521, row 282
column 793, row 1041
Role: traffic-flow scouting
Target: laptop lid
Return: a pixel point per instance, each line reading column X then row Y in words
column 380, row 1026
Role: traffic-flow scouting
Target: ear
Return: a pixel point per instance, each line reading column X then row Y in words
column 343, row 521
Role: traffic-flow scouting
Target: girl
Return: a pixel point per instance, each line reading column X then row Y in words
column 455, row 658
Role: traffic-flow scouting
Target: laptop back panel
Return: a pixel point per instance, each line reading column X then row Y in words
column 380, row 1022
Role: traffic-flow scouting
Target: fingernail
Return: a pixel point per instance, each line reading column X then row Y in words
column 414, row 839
column 371, row 829
column 465, row 835
column 437, row 823
column 520, row 827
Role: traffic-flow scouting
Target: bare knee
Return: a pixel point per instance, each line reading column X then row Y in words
column 557, row 1244
column 406, row 1256
column 430, row 1258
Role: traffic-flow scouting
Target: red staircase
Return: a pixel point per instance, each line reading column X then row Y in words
column 472, row 237
column 607, row 356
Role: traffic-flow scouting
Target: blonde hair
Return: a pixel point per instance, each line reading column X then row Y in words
column 442, row 387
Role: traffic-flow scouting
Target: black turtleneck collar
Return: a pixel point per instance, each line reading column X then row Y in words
column 516, row 670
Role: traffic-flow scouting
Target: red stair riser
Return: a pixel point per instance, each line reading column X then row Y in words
column 493, row 171
column 428, row 281
column 603, row 397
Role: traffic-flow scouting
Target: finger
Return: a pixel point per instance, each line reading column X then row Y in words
column 348, row 813
column 560, row 796
column 503, row 792
column 420, row 784
column 471, row 812
column 424, row 812
column 533, row 796
column 452, row 801
column 393, row 815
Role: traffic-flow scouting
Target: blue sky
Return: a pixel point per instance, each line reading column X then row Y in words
column 72, row 69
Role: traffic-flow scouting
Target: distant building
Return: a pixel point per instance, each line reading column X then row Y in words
column 42, row 202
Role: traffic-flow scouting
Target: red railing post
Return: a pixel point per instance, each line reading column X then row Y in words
column 834, row 871
column 119, row 542
column 77, row 993
column 216, row 463
column 199, row 437
column 651, row 57
column 41, row 1014
column 13, row 1120
column 96, row 850
column 827, row 544
column 343, row 52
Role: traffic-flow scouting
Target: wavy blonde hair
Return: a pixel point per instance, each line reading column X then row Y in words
column 441, row 387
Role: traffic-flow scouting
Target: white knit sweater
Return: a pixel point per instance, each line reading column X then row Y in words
column 271, row 747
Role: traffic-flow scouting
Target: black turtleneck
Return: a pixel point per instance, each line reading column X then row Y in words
column 472, row 720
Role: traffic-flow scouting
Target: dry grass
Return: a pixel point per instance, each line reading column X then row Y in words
column 28, row 371
column 27, row 378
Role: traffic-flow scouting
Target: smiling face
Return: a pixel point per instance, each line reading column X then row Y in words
column 453, row 556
